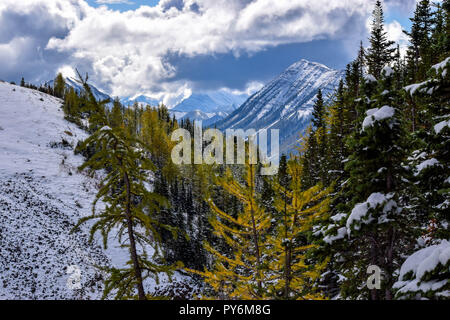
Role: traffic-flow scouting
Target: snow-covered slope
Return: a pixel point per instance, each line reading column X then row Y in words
column 286, row 102
column 42, row 196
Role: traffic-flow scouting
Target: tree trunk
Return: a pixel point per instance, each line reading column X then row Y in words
column 133, row 251
column 287, row 257
column 389, row 263
column 287, row 288
column 255, row 232
column 374, row 261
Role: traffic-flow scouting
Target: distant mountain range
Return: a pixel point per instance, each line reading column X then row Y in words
column 142, row 99
column 207, row 107
column 286, row 103
column 212, row 102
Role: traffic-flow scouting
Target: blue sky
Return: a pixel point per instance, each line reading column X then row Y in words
column 124, row 5
column 170, row 48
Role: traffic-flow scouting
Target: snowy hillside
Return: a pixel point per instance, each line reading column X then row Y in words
column 286, row 102
column 42, row 196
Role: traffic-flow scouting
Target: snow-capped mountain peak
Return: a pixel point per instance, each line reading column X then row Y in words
column 286, row 102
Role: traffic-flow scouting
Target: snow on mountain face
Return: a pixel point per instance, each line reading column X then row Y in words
column 208, row 107
column 42, row 196
column 197, row 115
column 207, row 119
column 286, row 103
column 212, row 102
column 219, row 116
column 142, row 99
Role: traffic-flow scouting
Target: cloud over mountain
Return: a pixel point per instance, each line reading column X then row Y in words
column 127, row 51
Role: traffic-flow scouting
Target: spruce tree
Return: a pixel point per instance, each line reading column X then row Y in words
column 380, row 52
column 116, row 116
column 339, row 125
column 59, row 86
column 71, row 106
column 425, row 273
column 429, row 160
column 315, row 157
column 419, row 37
column 377, row 186
column 318, row 114
column 446, row 9
column 361, row 59
column 310, row 154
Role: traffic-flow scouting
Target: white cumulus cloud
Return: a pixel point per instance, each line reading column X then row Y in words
column 127, row 51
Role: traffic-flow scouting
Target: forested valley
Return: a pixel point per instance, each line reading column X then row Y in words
column 366, row 189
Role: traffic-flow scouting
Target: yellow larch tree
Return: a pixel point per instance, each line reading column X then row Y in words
column 239, row 273
column 292, row 277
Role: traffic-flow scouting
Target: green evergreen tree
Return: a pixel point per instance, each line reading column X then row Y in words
column 116, row 116
column 378, row 188
column 380, row 52
column 318, row 114
column 429, row 160
column 59, row 86
column 419, row 37
column 71, row 106
column 446, row 9
column 95, row 110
